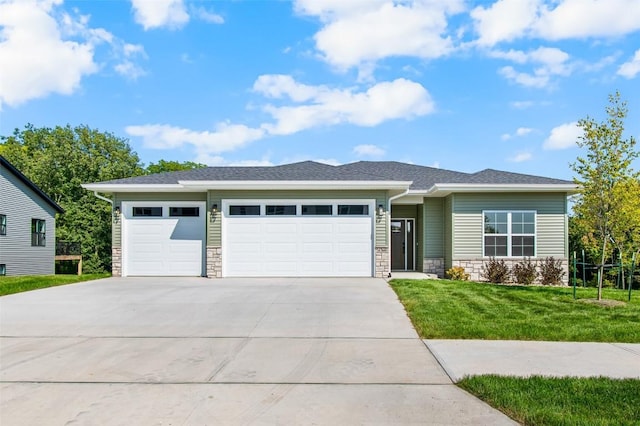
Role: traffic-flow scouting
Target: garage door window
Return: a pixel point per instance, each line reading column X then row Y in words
column 147, row 212
column 353, row 210
column 184, row 211
column 317, row 210
column 244, row 210
column 281, row 210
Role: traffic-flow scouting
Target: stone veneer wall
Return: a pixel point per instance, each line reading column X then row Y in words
column 214, row 262
column 382, row 268
column 116, row 262
column 433, row 266
column 474, row 267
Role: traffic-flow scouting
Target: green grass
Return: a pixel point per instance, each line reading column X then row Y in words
column 560, row 401
column 443, row 309
column 11, row 285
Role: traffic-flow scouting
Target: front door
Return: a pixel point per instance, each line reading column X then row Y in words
column 402, row 244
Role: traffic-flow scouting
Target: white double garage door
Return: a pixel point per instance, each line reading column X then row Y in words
column 299, row 238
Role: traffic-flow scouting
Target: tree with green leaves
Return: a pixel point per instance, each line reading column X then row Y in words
column 605, row 175
column 172, row 166
column 59, row 160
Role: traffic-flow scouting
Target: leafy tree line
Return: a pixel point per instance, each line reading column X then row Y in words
column 607, row 209
column 60, row 159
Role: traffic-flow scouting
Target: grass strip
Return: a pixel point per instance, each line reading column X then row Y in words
column 560, row 401
column 11, row 285
column 443, row 309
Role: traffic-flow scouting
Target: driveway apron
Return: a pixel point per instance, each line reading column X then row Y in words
column 185, row 351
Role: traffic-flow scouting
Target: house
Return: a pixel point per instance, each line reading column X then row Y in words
column 313, row 219
column 27, row 225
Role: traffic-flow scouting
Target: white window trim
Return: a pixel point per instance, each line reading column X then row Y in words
column 295, row 202
column 510, row 234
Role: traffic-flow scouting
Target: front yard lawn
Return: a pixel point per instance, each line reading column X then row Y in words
column 10, row 285
column 443, row 309
column 560, row 401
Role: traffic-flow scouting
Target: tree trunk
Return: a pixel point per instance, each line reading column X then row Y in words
column 601, row 268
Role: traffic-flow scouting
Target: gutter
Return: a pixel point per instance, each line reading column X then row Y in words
column 108, row 200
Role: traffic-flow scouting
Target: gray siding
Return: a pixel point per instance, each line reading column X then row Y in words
column 21, row 204
column 433, row 228
column 468, row 221
column 214, row 234
column 448, row 231
column 116, row 227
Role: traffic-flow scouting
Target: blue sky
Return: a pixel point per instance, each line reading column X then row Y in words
column 462, row 85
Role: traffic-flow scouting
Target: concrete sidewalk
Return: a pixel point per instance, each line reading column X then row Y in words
column 462, row 358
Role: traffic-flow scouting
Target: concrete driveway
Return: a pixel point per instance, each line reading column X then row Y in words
column 232, row 351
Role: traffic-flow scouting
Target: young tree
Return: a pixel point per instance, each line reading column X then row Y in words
column 602, row 175
column 58, row 160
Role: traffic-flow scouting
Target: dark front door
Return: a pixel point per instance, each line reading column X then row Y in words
column 402, row 244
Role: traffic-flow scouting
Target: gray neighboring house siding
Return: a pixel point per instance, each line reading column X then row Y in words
column 21, row 201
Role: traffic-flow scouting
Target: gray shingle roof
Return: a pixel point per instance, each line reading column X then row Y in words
column 422, row 177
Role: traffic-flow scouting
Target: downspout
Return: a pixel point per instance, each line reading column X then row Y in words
column 395, row 197
column 102, row 197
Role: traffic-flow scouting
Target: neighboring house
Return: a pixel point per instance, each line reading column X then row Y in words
column 312, row 219
column 27, row 225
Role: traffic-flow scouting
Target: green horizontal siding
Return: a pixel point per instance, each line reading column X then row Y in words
column 448, row 231
column 468, row 221
column 214, row 234
column 433, row 228
column 420, row 240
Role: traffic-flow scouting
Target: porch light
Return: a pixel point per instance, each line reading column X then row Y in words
column 380, row 210
column 214, row 209
column 116, row 213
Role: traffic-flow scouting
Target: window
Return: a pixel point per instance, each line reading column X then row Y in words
column 244, row 210
column 147, row 211
column 509, row 234
column 353, row 209
column 317, row 210
column 3, row 224
column 184, row 211
column 281, row 210
column 38, row 232
column 3, row 269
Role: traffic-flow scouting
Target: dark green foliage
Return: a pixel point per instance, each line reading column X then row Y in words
column 59, row 160
column 172, row 166
column 495, row 271
column 525, row 272
column 551, row 272
column 560, row 401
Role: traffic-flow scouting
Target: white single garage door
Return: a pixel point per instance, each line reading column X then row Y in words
column 163, row 238
column 303, row 239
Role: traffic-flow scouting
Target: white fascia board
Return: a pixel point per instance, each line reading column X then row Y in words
column 111, row 188
column 294, row 184
column 441, row 190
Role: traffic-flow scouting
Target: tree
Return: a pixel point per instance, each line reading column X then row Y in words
column 172, row 166
column 601, row 210
column 59, row 160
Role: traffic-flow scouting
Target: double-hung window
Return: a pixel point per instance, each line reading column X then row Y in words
column 509, row 233
column 38, row 232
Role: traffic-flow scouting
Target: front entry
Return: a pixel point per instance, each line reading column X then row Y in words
column 402, row 244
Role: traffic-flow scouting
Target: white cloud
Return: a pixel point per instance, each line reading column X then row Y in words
column 35, row 59
column 521, row 157
column 226, row 137
column 359, row 33
column 207, row 16
column 367, row 150
column 216, row 160
column 521, row 104
column 523, row 131
column 505, row 136
column 632, row 68
column 128, row 67
column 563, row 136
column 324, row 106
column 160, row 13
column 507, row 20
column 548, row 62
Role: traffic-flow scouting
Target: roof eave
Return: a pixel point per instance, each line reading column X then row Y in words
column 442, row 190
column 110, row 188
column 297, row 184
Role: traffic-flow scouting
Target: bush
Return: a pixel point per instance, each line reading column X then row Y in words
column 551, row 271
column 457, row 273
column 495, row 271
column 525, row 272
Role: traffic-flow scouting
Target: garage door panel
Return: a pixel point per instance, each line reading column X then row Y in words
column 298, row 246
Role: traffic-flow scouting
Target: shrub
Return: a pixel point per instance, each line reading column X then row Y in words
column 495, row 271
column 551, row 271
column 525, row 272
column 457, row 273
